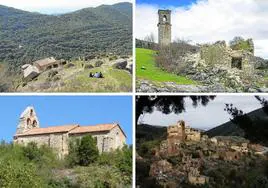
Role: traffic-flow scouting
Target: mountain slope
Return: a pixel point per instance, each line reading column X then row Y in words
column 259, row 123
column 25, row 36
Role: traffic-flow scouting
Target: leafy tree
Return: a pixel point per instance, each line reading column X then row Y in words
column 87, row 150
column 254, row 127
column 124, row 162
column 82, row 152
column 121, row 159
column 72, row 158
column 167, row 104
column 32, row 152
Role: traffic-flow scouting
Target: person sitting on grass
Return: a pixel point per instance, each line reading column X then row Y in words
column 96, row 75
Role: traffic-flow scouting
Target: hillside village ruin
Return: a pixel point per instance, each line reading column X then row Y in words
column 194, row 149
column 217, row 67
column 109, row 136
column 31, row 71
column 216, row 54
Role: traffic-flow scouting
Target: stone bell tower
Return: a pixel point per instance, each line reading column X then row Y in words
column 164, row 27
column 28, row 120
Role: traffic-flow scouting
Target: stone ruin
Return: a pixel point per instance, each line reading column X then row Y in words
column 221, row 54
column 177, row 134
column 30, row 71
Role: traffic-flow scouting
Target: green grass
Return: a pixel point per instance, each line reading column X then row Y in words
column 145, row 58
column 76, row 79
column 114, row 81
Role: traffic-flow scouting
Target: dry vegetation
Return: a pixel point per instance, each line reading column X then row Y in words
column 171, row 58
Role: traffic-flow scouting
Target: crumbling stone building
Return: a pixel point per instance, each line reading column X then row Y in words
column 48, row 63
column 182, row 132
column 164, row 27
column 222, row 55
column 109, row 136
column 37, row 67
column 177, row 134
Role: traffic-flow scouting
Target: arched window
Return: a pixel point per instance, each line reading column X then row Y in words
column 164, row 18
column 34, row 123
column 28, row 121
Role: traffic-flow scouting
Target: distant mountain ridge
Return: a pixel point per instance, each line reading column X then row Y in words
column 27, row 36
column 260, row 125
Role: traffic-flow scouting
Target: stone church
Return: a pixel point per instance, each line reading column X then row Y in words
column 109, row 136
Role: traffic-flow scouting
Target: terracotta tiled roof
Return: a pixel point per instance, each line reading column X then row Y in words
column 48, row 130
column 72, row 129
column 94, row 128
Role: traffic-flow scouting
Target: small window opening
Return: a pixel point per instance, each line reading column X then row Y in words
column 237, row 62
column 164, row 18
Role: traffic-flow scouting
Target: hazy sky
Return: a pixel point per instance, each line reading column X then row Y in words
column 209, row 21
column 56, row 6
column 62, row 110
column 204, row 117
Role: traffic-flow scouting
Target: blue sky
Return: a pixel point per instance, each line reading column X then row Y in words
column 61, row 110
column 167, row 3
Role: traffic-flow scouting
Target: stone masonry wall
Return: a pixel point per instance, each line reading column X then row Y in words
column 55, row 141
column 118, row 138
column 101, row 139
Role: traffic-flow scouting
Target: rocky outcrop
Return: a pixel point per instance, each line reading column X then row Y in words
column 120, row 64
column 145, row 86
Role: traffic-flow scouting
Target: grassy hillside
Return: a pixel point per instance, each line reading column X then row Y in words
column 25, row 36
column 76, row 79
column 145, row 58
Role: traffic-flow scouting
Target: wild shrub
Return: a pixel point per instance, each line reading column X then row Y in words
column 15, row 173
column 171, row 58
column 87, row 150
column 98, row 63
column 32, row 152
column 82, row 152
column 112, row 58
column 52, row 73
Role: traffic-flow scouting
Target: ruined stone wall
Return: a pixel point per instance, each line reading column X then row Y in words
column 221, row 55
column 216, row 54
column 164, row 34
column 177, row 131
column 164, row 27
column 194, row 136
column 198, row 180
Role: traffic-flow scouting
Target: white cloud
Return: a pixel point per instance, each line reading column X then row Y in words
column 211, row 20
column 56, row 6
